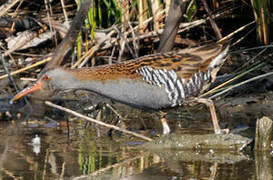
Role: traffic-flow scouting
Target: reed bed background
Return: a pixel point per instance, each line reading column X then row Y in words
column 118, row 30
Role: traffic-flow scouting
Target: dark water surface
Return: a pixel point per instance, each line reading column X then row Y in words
column 89, row 153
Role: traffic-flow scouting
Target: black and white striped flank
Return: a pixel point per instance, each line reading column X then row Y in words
column 176, row 87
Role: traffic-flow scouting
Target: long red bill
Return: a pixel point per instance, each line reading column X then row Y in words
column 35, row 87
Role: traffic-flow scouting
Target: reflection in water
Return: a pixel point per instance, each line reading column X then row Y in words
column 84, row 155
column 36, row 144
column 36, row 149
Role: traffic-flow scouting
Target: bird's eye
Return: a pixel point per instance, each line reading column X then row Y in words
column 46, row 77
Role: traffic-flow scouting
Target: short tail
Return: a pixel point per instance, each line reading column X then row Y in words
column 221, row 57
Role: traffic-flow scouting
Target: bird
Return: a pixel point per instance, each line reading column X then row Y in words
column 158, row 81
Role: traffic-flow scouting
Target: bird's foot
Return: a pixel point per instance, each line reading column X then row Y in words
column 166, row 130
column 165, row 126
column 221, row 131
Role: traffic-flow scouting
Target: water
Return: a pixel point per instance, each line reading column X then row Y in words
column 87, row 152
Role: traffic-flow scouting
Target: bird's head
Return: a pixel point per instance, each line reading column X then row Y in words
column 48, row 82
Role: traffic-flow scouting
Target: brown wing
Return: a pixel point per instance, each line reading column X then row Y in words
column 186, row 63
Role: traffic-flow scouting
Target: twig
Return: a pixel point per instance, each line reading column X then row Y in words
column 4, row 154
column 124, row 42
column 231, row 80
column 26, row 68
column 183, row 27
column 141, row 16
column 253, row 48
column 91, row 51
column 238, row 30
column 121, row 44
column 22, row 41
column 212, row 22
column 7, row 71
column 153, row 33
column 111, row 57
column 28, row 79
column 135, row 43
column 246, row 64
column 107, row 168
column 48, row 15
column 70, row 38
column 9, row 6
column 64, row 11
column 114, row 111
column 242, row 83
column 96, row 121
column 243, row 37
column 16, row 11
column 115, row 165
column 239, row 75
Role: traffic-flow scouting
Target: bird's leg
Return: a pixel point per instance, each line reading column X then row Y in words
column 98, row 117
column 210, row 104
column 120, row 119
column 115, row 111
column 165, row 126
column 213, row 169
